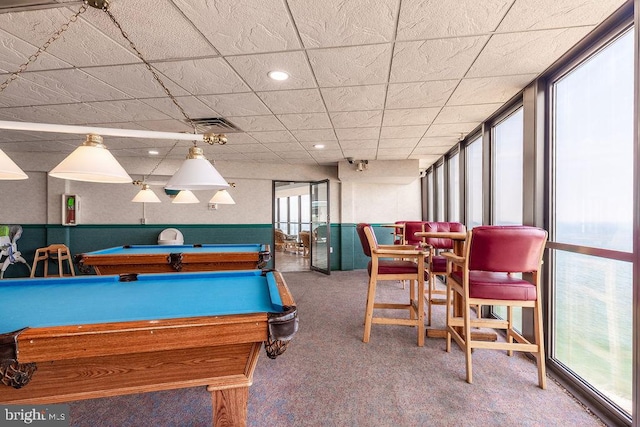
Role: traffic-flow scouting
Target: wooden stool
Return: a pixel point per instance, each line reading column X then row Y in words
column 56, row 252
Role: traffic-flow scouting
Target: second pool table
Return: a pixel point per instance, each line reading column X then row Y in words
column 64, row 339
column 174, row 258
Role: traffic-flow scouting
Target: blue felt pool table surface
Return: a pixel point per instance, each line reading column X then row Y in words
column 161, row 249
column 174, row 258
column 37, row 303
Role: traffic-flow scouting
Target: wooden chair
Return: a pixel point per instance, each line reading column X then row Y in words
column 436, row 264
column 305, row 242
column 487, row 275
column 57, row 253
column 380, row 268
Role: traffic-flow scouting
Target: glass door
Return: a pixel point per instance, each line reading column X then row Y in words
column 320, row 227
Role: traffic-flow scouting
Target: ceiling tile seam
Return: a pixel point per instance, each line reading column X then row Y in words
column 388, row 79
column 313, row 75
column 197, row 30
column 460, row 81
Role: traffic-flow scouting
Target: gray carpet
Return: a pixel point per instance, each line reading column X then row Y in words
column 329, row 377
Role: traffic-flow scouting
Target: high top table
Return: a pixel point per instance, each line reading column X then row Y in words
column 459, row 239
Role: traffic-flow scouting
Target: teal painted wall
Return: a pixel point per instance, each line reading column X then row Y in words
column 347, row 251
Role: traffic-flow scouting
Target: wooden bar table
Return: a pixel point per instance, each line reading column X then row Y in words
column 459, row 239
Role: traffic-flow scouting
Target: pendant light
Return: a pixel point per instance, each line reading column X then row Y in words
column 196, row 173
column 185, row 196
column 91, row 162
column 9, row 170
column 222, row 197
column 146, row 195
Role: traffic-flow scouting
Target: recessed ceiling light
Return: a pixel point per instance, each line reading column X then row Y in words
column 318, row 146
column 154, row 152
column 278, row 75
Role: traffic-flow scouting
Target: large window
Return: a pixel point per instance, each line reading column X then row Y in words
column 454, row 188
column 440, row 192
column 507, row 170
column 592, row 218
column 473, row 156
column 508, row 136
column 430, row 196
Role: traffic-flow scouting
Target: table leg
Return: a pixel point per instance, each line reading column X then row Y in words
column 230, row 407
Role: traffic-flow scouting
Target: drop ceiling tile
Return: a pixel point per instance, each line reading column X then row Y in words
column 435, row 59
column 15, row 52
column 135, row 80
column 254, row 69
column 257, row 123
column 358, row 133
column 314, row 135
column 489, row 89
column 466, row 113
column 80, row 45
column 410, row 116
column 22, row 92
column 328, row 145
column 166, row 125
column 343, row 23
column 237, row 104
column 541, row 14
column 295, row 155
column 305, row 121
column 240, row 139
column 436, row 150
column 289, row 147
column 403, row 131
column 358, row 65
column 451, row 130
column 420, row 95
column 359, row 144
column 266, row 157
column 67, row 114
column 524, row 53
column 127, row 110
column 251, row 148
column 428, row 19
column 274, row 136
column 363, row 154
column 398, row 142
column 142, row 24
column 328, row 154
column 242, row 26
column 394, row 153
column 76, row 84
column 354, row 98
column 203, row 76
column 293, row 101
column 355, row 119
column 23, row 136
column 448, row 141
column 190, row 104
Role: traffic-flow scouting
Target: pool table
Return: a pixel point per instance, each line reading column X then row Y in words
column 66, row 339
column 174, row 258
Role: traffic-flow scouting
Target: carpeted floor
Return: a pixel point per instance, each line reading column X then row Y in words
column 329, row 377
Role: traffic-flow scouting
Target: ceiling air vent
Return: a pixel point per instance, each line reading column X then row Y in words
column 215, row 125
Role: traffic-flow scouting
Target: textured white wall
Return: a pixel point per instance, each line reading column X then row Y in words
column 38, row 200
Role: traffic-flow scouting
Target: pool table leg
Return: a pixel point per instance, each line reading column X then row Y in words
column 230, row 394
column 230, row 407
